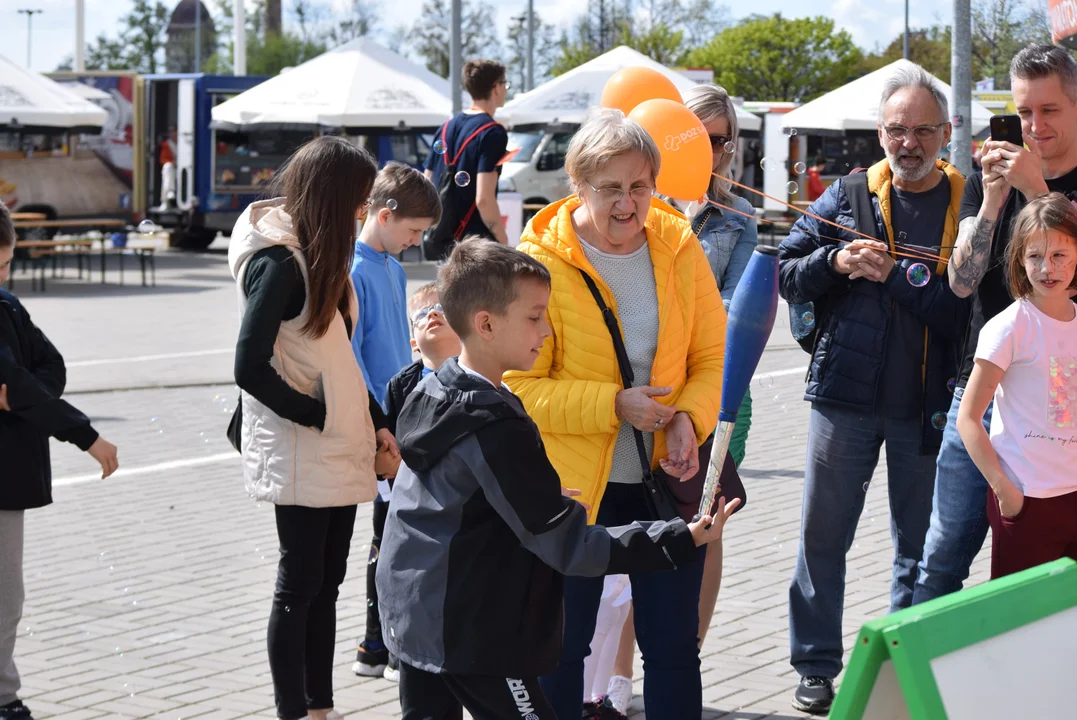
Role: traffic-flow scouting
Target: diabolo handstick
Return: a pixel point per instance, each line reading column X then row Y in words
column 748, row 326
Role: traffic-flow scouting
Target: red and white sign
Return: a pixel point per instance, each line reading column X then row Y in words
column 1063, row 22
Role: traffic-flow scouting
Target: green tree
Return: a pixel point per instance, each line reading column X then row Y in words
column 429, row 35
column 1000, row 28
column 775, row 59
column 928, row 47
column 361, row 20
column 545, row 51
column 140, row 44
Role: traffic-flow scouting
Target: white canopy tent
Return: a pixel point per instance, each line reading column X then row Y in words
column 31, row 102
column 85, row 91
column 356, row 86
column 855, row 106
column 566, row 98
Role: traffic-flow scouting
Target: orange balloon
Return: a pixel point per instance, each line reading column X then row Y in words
column 684, row 145
column 630, row 86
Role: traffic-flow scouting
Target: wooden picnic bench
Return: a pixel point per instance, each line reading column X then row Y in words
column 40, row 252
column 28, row 216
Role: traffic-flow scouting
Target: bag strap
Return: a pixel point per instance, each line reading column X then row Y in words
column 460, row 150
column 856, row 190
column 627, row 376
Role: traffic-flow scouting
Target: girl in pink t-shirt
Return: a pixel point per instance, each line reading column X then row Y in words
column 1026, row 359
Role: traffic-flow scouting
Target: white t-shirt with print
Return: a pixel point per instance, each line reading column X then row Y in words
column 1034, row 422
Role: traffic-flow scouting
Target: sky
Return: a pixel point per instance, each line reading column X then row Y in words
column 871, row 22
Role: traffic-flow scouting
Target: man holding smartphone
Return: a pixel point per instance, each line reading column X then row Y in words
column 1044, row 81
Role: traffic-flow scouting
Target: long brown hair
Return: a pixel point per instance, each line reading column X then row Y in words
column 1047, row 212
column 324, row 184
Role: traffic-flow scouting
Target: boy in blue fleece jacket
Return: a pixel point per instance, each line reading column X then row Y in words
column 403, row 204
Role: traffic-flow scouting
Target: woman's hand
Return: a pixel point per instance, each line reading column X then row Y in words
column 3, row 399
column 1010, row 500
column 636, row 407
column 682, row 460
column 703, row 534
column 387, row 459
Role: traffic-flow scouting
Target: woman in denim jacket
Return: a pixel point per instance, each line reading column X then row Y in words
column 728, row 239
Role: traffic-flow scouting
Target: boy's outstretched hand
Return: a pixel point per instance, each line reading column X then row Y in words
column 104, row 452
column 573, row 493
column 703, row 534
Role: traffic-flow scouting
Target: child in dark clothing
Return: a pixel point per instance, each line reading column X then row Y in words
column 436, row 343
column 32, row 379
column 479, row 536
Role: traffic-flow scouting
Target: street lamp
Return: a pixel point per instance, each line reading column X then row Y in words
column 29, row 30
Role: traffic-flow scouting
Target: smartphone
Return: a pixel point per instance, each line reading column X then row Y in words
column 1007, row 128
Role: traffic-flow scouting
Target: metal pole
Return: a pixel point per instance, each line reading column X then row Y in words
column 198, row 37
column 80, row 35
column 961, row 82
column 906, row 44
column 29, row 32
column 239, row 19
column 530, row 83
column 456, row 64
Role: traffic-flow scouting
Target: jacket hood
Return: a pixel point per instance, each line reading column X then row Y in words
column 263, row 224
column 446, row 407
column 552, row 229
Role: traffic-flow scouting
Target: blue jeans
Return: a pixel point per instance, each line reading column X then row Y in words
column 667, row 627
column 959, row 515
column 843, row 450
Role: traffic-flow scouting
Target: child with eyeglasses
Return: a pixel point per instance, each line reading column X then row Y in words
column 403, row 205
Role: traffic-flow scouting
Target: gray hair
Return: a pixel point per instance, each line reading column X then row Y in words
column 1039, row 61
column 710, row 102
column 914, row 77
column 603, row 135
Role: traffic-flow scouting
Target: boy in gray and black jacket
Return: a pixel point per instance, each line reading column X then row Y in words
column 479, row 535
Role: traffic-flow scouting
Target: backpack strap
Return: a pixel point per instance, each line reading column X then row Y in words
column 856, row 190
column 460, row 150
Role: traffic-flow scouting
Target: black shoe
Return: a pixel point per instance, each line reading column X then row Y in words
column 814, row 695
column 15, row 711
column 370, row 661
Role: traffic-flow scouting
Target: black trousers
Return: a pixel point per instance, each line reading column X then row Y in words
column 442, row 696
column 373, row 617
column 314, row 544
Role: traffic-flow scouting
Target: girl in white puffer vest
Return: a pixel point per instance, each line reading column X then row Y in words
column 308, row 438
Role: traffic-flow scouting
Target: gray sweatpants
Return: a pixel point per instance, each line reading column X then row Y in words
column 12, row 594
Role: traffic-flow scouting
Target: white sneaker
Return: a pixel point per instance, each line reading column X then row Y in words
column 334, row 715
column 392, row 670
column 620, row 693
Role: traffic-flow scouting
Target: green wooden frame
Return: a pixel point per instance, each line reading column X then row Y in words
column 913, row 637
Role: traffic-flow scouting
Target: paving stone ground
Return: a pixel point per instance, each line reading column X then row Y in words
column 148, row 594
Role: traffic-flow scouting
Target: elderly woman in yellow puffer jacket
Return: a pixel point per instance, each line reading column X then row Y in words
column 652, row 272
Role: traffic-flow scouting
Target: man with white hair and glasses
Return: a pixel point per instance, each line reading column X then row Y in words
column 888, row 329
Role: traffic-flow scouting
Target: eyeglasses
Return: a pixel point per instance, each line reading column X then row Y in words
column 422, row 313
column 718, row 141
column 922, row 132
column 612, row 194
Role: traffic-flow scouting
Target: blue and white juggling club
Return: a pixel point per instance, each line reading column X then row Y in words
column 748, row 326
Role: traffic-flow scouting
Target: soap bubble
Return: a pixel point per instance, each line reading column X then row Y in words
column 147, row 227
column 866, row 486
column 790, row 131
column 373, row 559
column 938, row 420
column 766, row 381
column 792, row 188
column 391, row 204
column 808, row 319
column 800, row 168
column 730, row 147
column 439, row 147
column 918, row 275
column 462, row 179
column 951, row 385
column 763, row 164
